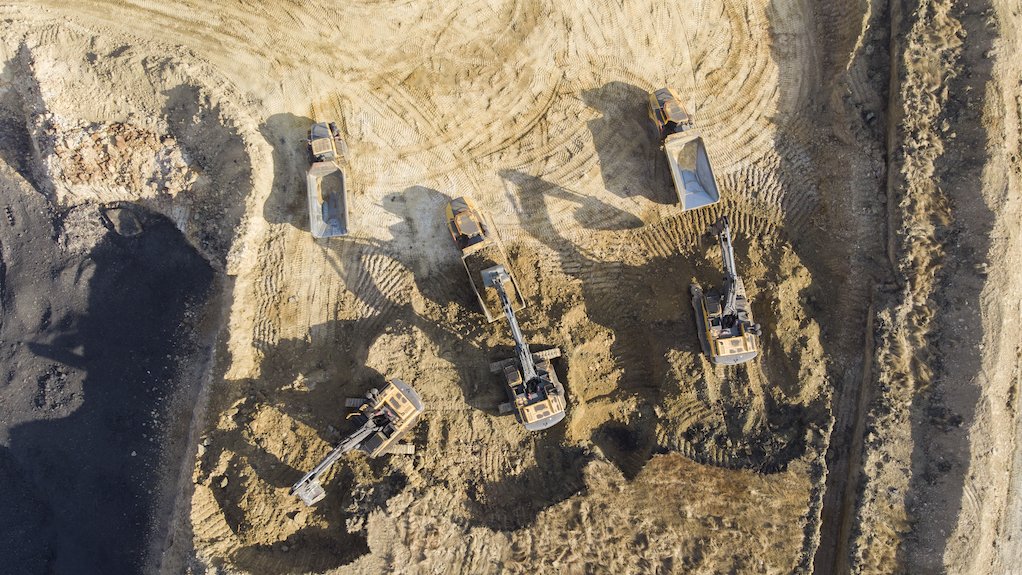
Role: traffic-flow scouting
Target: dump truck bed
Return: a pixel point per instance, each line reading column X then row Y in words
column 690, row 170
column 482, row 257
column 328, row 202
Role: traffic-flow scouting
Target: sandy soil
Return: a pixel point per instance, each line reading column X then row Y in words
column 867, row 153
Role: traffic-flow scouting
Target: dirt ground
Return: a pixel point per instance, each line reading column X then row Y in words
column 867, row 153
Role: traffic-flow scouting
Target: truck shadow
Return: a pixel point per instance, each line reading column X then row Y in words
column 287, row 203
column 440, row 303
column 623, row 133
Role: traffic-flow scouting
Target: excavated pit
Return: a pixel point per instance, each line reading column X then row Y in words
column 535, row 110
column 119, row 212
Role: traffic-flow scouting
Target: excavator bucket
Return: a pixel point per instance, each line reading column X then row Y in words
column 310, row 493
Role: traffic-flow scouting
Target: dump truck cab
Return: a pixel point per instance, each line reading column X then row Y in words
column 325, row 142
column 667, row 113
column 465, row 224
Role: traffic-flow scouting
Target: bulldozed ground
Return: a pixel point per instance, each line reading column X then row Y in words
column 867, row 153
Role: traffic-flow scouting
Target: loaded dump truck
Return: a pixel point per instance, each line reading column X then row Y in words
column 328, row 200
column 481, row 251
column 685, row 150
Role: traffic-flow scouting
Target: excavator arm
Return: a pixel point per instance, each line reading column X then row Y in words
column 308, row 487
column 722, row 230
column 495, row 278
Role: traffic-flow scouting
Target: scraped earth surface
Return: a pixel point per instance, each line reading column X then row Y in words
column 866, row 214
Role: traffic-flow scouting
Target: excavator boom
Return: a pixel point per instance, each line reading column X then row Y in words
column 723, row 231
column 495, row 278
column 308, row 487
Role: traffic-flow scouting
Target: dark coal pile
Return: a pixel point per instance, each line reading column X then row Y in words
column 90, row 347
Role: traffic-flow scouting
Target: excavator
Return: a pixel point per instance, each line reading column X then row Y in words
column 383, row 417
column 536, row 396
column 724, row 320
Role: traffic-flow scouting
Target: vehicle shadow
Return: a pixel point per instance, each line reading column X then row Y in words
column 217, row 149
column 287, row 203
column 623, row 133
column 440, row 303
column 943, row 412
column 642, row 336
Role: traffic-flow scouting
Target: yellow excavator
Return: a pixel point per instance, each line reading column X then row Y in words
column 724, row 319
column 383, row 417
column 536, row 395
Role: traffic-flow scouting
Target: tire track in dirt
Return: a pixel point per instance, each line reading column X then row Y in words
column 408, row 124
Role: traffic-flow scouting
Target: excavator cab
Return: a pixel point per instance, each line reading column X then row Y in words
column 727, row 332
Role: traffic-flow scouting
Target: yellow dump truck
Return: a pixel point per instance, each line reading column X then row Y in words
column 481, row 251
column 535, row 395
column 325, row 183
column 685, row 150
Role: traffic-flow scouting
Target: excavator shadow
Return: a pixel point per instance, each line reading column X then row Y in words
column 515, row 501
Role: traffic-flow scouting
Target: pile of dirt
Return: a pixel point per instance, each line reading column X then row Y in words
column 110, row 162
